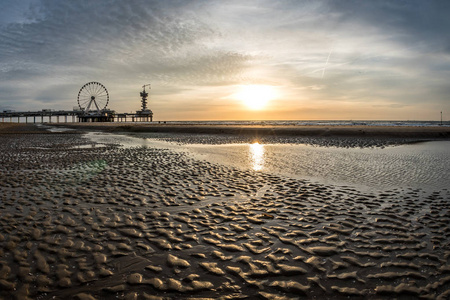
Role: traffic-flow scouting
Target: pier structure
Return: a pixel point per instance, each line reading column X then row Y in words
column 105, row 115
column 41, row 116
column 92, row 99
column 62, row 116
column 135, row 117
column 144, row 114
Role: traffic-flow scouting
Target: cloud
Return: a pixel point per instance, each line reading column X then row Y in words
column 89, row 31
column 104, row 39
column 382, row 51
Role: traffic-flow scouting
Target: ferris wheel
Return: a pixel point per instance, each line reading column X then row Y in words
column 93, row 96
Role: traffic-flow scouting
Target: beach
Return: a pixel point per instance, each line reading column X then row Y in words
column 83, row 220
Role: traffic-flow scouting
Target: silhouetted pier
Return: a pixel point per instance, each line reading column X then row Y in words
column 65, row 116
column 40, row 116
column 92, row 99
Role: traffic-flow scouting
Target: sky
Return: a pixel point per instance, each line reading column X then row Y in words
column 210, row 60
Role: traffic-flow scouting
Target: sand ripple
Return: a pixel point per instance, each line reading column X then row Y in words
column 143, row 223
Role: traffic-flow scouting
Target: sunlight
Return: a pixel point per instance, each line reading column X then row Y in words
column 256, row 97
column 257, row 156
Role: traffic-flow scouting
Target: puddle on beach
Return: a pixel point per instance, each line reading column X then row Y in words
column 89, row 146
column 422, row 165
column 54, row 129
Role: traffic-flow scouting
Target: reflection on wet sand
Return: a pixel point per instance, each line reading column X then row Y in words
column 257, row 156
column 421, row 165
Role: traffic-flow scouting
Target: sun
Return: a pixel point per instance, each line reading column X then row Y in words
column 256, row 97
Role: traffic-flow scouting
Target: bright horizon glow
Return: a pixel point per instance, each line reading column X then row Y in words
column 256, row 97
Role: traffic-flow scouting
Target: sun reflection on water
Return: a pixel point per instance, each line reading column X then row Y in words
column 257, row 156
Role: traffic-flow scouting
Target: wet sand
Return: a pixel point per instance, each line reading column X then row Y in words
column 279, row 130
column 145, row 223
column 340, row 136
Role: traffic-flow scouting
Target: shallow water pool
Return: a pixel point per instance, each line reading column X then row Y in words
column 423, row 165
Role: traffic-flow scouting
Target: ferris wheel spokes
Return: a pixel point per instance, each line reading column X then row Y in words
column 93, row 96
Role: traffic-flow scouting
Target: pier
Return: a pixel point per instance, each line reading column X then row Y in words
column 92, row 99
column 41, row 116
column 68, row 116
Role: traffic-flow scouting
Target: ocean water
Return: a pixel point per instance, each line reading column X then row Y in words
column 423, row 165
column 314, row 122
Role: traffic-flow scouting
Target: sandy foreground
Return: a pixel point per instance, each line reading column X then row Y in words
column 113, row 223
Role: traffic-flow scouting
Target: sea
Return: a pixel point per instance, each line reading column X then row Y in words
column 313, row 122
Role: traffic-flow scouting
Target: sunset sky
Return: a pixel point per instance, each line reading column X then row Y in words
column 231, row 60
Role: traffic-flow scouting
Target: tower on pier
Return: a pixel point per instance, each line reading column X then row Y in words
column 144, row 96
column 145, row 113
